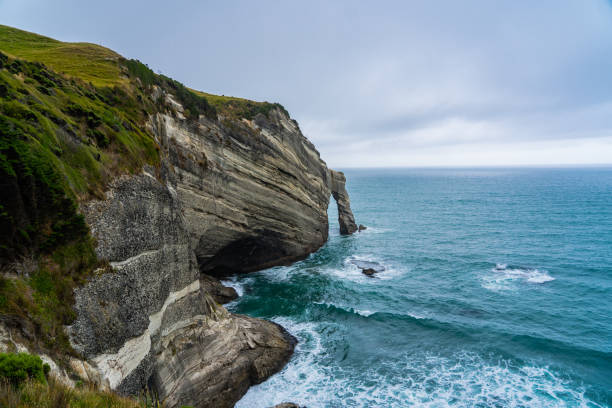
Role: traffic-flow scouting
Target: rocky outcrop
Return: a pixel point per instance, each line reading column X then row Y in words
column 215, row 364
column 146, row 320
column 255, row 193
column 220, row 293
column 345, row 215
column 230, row 196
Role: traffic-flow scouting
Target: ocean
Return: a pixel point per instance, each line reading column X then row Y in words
column 497, row 292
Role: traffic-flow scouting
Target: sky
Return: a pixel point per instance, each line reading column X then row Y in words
column 380, row 83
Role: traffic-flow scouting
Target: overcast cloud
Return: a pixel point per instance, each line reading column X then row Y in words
column 385, row 83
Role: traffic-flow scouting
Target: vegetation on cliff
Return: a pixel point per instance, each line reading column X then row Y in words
column 61, row 141
column 34, row 394
column 72, row 118
column 16, row 368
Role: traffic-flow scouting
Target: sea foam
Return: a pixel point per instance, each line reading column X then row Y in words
column 502, row 277
column 424, row 380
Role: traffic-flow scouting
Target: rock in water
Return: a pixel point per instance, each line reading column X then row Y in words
column 368, row 265
column 287, row 405
column 217, row 362
column 345, row 215
column 221, row 293
column 369, row 271
column 362, row 227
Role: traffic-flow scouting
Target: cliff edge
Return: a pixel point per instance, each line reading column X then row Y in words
column 126, row 195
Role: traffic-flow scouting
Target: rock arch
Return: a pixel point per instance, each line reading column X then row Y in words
column 338, row 191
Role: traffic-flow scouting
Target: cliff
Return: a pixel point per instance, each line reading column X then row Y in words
column 121, row 196
column 254, row 192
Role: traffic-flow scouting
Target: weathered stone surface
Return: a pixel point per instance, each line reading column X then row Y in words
column 149, row 320
column 345, row 215
column 220, row 293
column 255, row 193
column 230, row 196
column 216, row 363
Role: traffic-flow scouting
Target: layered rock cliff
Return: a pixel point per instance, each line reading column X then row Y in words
column 210, row 193
column 255, row 192
column 346, row 220
column 148, row 322
column 229, row 198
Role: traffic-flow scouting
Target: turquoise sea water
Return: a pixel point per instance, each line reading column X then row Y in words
column 497, row 293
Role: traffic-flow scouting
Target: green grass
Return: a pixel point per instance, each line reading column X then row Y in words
column 25, row 382
column 89, row 62
column 103, row 67
column 236, row 108
column 34, row 394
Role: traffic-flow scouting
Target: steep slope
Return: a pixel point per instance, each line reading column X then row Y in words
column 116, row 199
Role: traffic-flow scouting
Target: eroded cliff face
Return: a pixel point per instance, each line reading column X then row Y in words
column 255, row 193
column 168, row 201
column 147, row 321
column 229, row 197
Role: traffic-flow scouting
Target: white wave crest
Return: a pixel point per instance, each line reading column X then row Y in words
column 353, row 273
column 463, row 380
column 504, row 278
column 233, row 282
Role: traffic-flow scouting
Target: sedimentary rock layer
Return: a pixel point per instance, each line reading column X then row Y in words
column 148, row 321
column 255, row 193
column 230, row 196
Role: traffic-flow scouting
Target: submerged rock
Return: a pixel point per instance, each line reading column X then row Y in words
column 363, row 265
column 369, row 271
column 362, row 227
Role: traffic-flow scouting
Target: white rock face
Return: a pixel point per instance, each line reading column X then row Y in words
column 117, row 366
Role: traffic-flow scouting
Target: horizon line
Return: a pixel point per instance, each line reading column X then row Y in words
column 480, row 166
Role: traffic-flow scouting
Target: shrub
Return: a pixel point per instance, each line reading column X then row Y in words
column 19, row 367
column 141, row 71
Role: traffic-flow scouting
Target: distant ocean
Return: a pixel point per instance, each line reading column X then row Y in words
column 497, row 292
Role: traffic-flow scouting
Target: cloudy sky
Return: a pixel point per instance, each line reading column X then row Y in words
column 380, row 83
